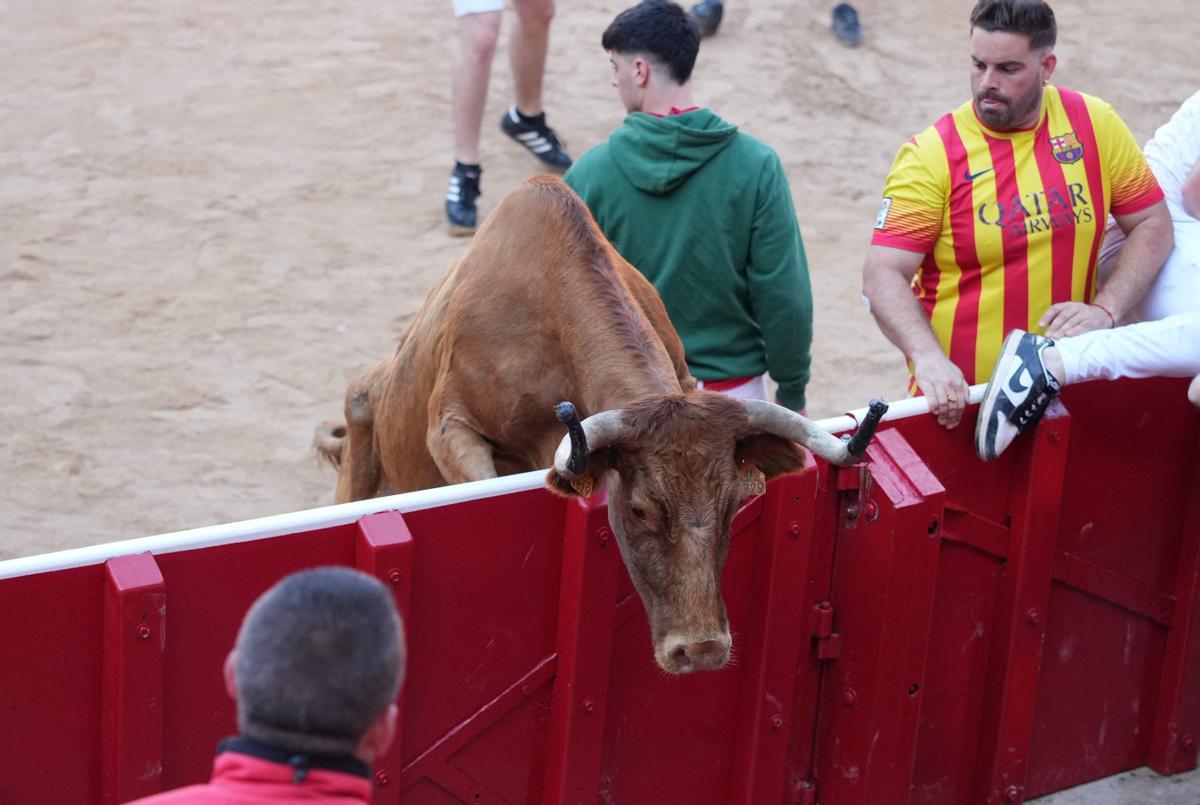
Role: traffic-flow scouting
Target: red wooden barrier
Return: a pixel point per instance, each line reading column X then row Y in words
column 935, row 630
column 132, row 715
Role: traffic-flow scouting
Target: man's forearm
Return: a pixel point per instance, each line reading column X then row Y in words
column 899, row 315
column 1146, row 248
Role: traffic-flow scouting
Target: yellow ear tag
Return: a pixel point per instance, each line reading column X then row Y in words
column 753, row 481
column 583, row 486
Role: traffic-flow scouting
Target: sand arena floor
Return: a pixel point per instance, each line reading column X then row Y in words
column 213, row 215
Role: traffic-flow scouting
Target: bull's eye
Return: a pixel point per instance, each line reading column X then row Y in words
column 638, row 512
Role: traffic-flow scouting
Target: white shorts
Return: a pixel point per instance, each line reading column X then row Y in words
column 464, row 7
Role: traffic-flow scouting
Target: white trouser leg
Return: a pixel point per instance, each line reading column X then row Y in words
column 1168, row 348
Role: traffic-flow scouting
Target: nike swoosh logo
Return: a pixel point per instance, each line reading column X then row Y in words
column 970, row 177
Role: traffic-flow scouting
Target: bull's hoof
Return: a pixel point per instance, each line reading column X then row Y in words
column 328, row 441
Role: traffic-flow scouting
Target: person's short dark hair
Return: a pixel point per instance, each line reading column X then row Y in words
column 1033, row 19
column 319, row 657
column 660, row 30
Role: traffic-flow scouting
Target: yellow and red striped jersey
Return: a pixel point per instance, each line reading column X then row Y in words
column 1009, row 222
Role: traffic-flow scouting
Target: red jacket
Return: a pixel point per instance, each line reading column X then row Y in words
column 246, row 772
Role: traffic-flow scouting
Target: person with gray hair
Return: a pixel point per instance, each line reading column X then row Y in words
column 315, row 672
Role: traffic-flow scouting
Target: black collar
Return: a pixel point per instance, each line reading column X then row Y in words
column 299, row 761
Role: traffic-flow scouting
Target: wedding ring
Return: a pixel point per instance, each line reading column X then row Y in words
column 951, row 398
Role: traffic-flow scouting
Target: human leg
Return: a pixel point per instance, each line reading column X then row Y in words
column 527, row 52
column 1169, row 347
column 478, row 31
column 477, row 34
column 525, row 121
column 1018, row 392
column 1031, row 370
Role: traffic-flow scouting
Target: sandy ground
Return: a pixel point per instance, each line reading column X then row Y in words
column 212, row 216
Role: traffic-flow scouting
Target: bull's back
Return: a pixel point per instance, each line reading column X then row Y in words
column 512, row 330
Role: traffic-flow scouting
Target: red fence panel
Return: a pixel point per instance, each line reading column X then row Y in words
column 933, row 630
column 884, row 573
column 384, row 549
column 132, row 712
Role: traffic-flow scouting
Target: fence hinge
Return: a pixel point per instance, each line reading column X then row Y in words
column 856, row 484
column 828, row 643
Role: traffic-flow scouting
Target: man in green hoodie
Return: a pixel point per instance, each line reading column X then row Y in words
column 704, row 211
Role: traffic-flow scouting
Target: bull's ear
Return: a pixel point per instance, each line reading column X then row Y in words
column 599, row 462
column 771, row 454
column 583, row 486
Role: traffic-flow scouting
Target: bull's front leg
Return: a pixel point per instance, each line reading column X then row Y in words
column 460, row 452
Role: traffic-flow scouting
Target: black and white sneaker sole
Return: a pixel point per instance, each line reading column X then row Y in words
column 985, row 432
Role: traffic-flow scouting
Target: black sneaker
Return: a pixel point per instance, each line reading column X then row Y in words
column 1018, row 393
column 707, row 15
column 460, row 199
column 537, row 137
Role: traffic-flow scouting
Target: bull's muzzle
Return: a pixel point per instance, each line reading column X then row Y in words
column 677, row 654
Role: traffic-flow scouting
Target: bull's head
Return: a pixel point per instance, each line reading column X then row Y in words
column 676, row 470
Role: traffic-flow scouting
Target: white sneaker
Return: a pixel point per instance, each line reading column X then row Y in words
column 1018, row 393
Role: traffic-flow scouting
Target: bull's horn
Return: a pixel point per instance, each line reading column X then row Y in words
column 779, row 421
column 595, row 432
column 577, row 457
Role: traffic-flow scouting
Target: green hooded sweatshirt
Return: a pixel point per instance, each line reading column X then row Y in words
column 705, row 213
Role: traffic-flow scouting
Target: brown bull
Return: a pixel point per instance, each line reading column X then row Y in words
column 542, row 309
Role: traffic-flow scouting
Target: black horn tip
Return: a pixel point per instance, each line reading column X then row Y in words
column 857, row 444
column 578, row 461
column 566, row 413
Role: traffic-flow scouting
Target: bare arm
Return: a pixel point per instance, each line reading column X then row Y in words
column 887, row 276
column 1191, row 192
column 1149, row 238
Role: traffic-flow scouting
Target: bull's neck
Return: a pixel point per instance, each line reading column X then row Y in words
column 619, row 357
column 608, row 396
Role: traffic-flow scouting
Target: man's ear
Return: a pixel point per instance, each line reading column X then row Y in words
column 599, row 462
column 230, row 672
column 641, row 72
column 772, row 455
column 1048, row 65
column 379, row 735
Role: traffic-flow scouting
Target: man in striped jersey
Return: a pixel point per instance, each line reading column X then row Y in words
column 994, row 215
column 1164, row 339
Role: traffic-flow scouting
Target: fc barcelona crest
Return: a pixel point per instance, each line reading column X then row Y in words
column 1066, row 148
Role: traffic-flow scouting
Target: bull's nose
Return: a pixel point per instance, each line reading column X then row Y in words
column 706, row 655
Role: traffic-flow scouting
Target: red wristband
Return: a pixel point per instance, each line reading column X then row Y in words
column 1112, row 320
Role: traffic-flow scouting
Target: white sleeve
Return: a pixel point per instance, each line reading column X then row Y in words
column 1175, row 148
